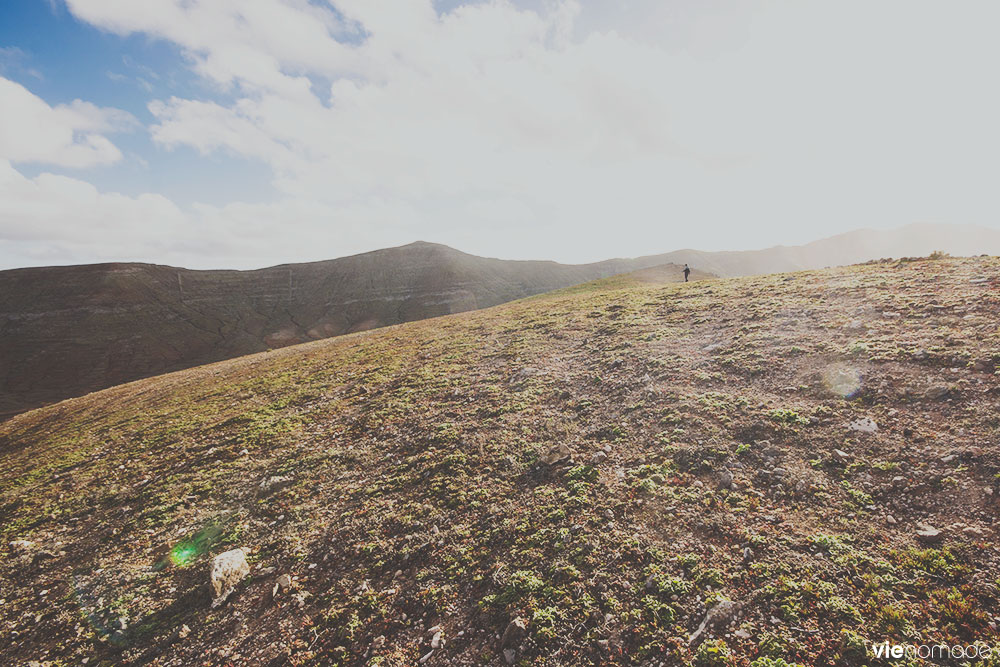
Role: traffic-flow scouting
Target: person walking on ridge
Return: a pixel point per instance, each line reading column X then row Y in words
column 687, row 272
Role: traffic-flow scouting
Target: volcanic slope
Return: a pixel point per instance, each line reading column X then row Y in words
column 70, row 330
column 577, row 478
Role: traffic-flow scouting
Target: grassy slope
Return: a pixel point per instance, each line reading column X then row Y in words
column 414, row 449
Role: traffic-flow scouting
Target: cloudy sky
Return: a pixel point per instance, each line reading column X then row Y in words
column 244, row 133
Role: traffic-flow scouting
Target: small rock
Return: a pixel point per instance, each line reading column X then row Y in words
column 725, row 480
column 841, row 456
column 949, row 458
column 863, row 425
column 599, row 457
column 184, row 632
column 274, row 483
column 891, row 520
column 436, row 641
column 426, row 656
column 22, row 547
column 983, row 366
column 928, row 534
column 513, row 634
column 937, row 392
column 282, row 582
column 509, row 655
column 556, row 454
column 227, row 570
column 973, row 531
column 717, row 618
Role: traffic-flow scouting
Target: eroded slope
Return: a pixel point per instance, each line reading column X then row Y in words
column 721, row 451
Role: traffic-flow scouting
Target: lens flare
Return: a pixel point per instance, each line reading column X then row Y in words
column 842, row 380
column 183, row 553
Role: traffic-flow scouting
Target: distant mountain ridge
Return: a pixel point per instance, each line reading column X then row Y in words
column 915, row 240
column 70, row 330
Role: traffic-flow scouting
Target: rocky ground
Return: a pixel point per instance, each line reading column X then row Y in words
column 759, row 471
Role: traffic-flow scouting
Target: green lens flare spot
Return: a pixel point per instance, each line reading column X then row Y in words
column 183, row 554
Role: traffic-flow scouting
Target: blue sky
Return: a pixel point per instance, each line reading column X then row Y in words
column 225, row 133
column 60, row 59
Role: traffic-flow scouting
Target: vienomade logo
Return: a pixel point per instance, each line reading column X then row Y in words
column 975, row 651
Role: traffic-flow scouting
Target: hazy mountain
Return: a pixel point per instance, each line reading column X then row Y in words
column 916, row 240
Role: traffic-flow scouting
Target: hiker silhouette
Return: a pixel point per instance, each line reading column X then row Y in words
column 687, row 272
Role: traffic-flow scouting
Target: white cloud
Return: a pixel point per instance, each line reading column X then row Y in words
column 54, row 219
column 251, row 42
column 67, row 135
column 51, row 206
column 577, row 131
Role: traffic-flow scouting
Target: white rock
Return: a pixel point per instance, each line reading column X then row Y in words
column 228, row 569
column 863, row 425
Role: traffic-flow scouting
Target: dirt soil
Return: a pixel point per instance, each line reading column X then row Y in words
column 757, row 471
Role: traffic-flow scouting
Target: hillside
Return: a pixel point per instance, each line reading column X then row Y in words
column 583, row 477
column 70, row 330
column 67, row 331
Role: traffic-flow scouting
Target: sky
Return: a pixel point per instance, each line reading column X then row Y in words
column 247, row 133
